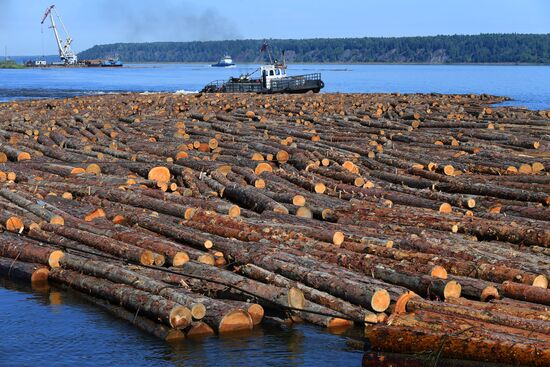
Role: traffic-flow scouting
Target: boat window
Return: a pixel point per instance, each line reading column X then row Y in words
column 271, row 72
column 278, row 72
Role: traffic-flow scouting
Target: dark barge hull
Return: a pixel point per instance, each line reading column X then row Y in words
column 292, row 85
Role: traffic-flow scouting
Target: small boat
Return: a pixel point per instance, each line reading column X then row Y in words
column 111, row 63
column 224, row 62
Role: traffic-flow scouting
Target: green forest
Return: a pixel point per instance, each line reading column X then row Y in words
column 483, row 48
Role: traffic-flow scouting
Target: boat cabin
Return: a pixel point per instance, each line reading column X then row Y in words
column 272, row 72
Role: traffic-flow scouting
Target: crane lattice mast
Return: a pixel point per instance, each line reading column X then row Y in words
column 65, row 52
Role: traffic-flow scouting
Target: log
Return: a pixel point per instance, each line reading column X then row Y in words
column 154, row 307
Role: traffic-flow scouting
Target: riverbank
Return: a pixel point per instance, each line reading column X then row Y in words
column 415, row 215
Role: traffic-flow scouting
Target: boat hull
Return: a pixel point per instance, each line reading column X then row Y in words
column 294, row 85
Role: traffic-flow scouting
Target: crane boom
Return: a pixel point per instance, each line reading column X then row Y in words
column 65, row 52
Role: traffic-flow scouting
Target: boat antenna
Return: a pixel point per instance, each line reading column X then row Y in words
column 264, row 48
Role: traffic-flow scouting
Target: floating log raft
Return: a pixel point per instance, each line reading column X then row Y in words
column 424, row 217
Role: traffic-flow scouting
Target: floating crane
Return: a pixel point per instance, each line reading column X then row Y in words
column 65, row 52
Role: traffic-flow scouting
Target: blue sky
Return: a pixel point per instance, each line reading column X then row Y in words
column 107, row 21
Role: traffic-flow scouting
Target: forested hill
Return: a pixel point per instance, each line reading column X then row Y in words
column 484, row 48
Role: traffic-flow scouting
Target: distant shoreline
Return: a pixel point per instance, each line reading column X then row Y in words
column 344, row 63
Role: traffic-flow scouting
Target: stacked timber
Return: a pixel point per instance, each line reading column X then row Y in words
column 423, row 217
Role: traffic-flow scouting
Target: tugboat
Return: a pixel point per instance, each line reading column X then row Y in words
column 224, row 62
column 273, row 79
column 111, row 63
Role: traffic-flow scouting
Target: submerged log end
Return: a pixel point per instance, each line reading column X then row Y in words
column 336, row 323
column 180, row 258
column 452, row 289
column 40, row 276
column 234, row 321
column 173, row 335
column 438, row 271
column 380, row 300
column 540, row 281
column 296, row 298
column 180, row 317
column 199, row 329
column 54, row 258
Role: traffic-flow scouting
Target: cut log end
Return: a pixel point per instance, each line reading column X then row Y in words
column 147, row 258
column 236, row 320
column 180, row 317
column 448, row 170
column 489, row 293
column 259, row 184
column 56, row 219
column 159, row 260
column 452, row 289
column 540, row 281
column 256, row 312
column 439, row 272
column 180, row 258
column 93, row 168
column 54, row 258
column 471, row 203
column 299, row 200
column 208, row 244
column 371, row 318
column 234, row 211
column 320, row 188
column 338, row 238
column 445, row 208
column 207, row 259
column 263, row 167
column 159, row 174
column 23, row 156
column 189, row 213
column 198, row 311
column 296, row 298
column 14, row 224
column 401, row 303
column 380, row 300
column 304, row 212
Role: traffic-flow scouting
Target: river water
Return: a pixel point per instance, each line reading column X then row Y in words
column 58, row 328
column 528, row 86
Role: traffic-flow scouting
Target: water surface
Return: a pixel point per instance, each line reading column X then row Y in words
column 527, row 85
column 55, row 327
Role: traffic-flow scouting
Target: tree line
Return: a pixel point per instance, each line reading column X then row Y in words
column 483, row 48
